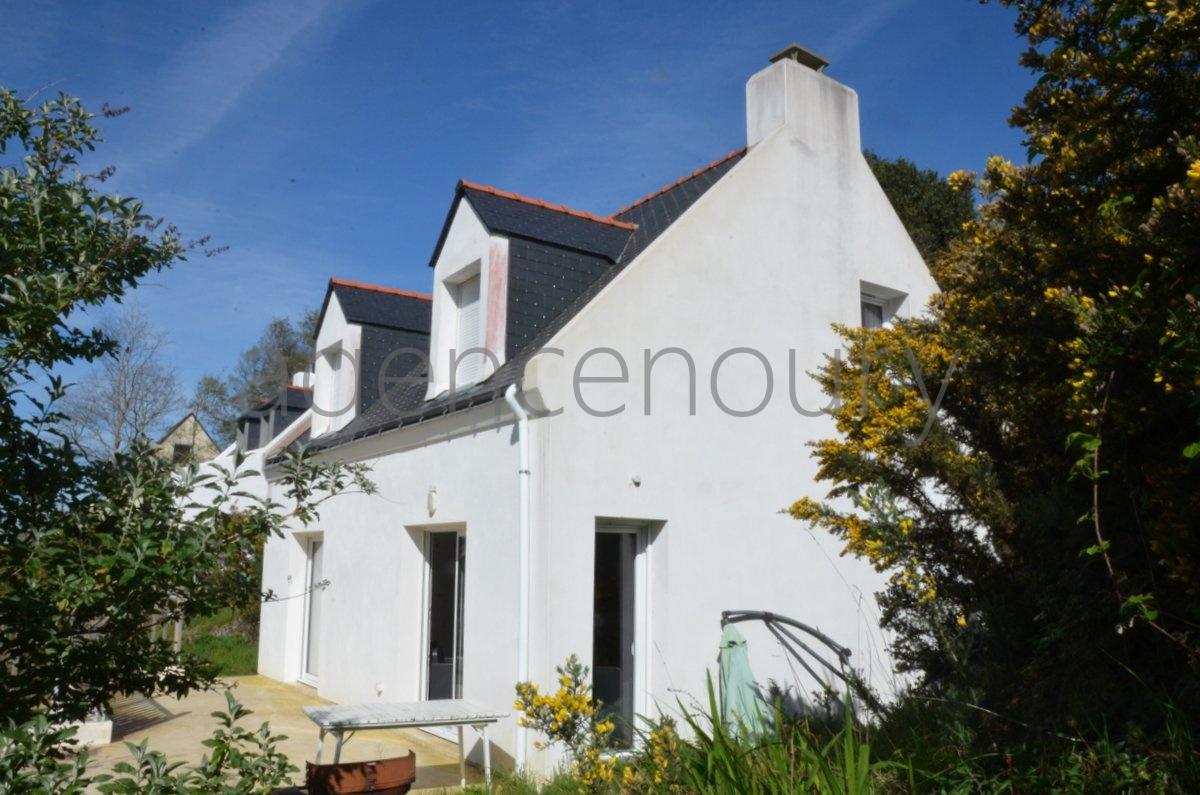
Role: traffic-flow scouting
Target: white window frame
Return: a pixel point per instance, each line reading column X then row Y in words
column 305, row 677
column 453, row 284
column 892, row 302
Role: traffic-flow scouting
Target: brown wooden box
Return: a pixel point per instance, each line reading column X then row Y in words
column 383, row 776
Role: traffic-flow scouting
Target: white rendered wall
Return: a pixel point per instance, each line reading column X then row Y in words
column 373, row 612
column 768, row 259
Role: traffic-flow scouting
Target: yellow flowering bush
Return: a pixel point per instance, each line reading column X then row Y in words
column 961, row 180
column 657, row 766
column 570, row 717
column 1043, row 519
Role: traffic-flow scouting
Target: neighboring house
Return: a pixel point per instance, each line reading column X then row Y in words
column 259, row 425
column 658, row 353
column 187, row 442
column 266, row 430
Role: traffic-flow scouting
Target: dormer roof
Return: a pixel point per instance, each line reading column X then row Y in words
column 513, row 215
column 376, row 305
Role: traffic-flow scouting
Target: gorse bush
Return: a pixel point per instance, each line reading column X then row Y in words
column 1040, row 541
column 571, row 717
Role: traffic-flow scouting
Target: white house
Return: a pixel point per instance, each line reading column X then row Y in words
column 607, row 477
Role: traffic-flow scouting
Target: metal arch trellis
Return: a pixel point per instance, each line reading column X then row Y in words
column 785, row 631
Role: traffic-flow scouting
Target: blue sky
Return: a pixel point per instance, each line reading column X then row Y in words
column 319, row 138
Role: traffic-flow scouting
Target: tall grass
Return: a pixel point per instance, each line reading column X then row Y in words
column 795, row 757
column 919, row 746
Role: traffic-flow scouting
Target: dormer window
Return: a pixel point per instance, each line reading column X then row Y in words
column 470, row 303
column 335, row 389
column 469, row 336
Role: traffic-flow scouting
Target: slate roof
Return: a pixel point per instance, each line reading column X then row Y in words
column 514, row 215
column 550, row 235
column 296, row 397
column 374, row 305
column 654, row 213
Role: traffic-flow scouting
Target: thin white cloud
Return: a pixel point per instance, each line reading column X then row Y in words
column 212, row 74
column 860, row 27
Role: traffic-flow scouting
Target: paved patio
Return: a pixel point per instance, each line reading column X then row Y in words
column 178, row 726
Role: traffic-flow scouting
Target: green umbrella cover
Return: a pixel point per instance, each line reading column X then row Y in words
column 743, row 709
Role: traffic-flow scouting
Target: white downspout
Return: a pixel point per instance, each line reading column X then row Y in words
column 510, row 397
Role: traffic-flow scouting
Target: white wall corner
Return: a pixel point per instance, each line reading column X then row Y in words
column 821, row 112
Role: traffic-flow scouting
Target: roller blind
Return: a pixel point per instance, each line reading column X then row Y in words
column 470, row 331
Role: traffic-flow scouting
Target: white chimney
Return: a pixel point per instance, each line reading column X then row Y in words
column 302, row 379
column 792, row 92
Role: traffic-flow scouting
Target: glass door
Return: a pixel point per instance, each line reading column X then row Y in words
column 616, row 626
column 446, row 559
column 310, row 667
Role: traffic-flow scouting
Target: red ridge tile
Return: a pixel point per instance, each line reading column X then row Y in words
column 504, row 194
column 380, row 288
column 682, row 180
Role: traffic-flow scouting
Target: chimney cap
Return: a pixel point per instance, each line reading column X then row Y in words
column 805, row 57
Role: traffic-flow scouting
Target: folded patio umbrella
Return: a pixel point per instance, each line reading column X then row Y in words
column 743, row 709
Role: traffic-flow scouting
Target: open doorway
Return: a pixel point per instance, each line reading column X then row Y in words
column 445, row 558
column 619, row 625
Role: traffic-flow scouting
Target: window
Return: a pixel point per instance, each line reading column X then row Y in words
column 181, row 453
column 469, row 333
column 334, row 397
column 872, row 314
column 879, row 304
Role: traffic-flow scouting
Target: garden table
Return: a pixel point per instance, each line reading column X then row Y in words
column 343, row 720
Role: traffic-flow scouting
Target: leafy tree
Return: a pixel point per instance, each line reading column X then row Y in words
column 931, row 210
column 93, row 553
column 1041, row 536
column 129, row 395
column 285, row 347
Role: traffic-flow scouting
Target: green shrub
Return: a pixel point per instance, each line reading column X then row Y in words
column 39, row 759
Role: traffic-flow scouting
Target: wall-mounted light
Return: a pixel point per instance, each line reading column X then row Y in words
column 431, row 500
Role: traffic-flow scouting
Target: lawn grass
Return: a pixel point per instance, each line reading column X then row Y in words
column 214, row 638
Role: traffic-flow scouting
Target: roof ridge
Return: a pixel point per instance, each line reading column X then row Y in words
column 378, row 288
column 562, row 208
column 681, row 180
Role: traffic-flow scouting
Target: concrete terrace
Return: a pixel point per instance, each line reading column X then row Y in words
column 177, row 727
